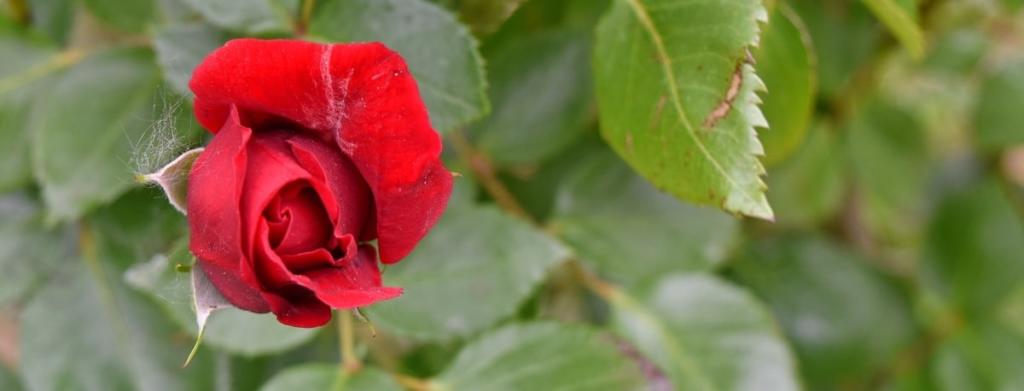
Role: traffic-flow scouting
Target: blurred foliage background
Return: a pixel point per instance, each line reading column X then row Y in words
column 895, row 169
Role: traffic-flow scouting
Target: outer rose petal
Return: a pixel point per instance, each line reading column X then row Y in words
column 360, row 95
column 214, row 221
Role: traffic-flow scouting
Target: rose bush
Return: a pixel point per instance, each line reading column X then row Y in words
column 318, row 149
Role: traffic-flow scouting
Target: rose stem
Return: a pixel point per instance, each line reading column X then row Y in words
column 483, row 170
column 349, row 361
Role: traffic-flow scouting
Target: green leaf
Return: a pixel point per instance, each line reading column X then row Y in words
column 87, row 331
column 330, row 377
column 982, row 357
column 473, row 270
column 29, row 253
column 245, row 16
column 900, row 16
column 9, row 381
column 229, row 329
column 808, row 188
column 541, row 356
column 677, row 97
column 541, row 94
column 845, row 38
column 997, row 113
column 632, row 233
column 844, row 319
column 25, row 62
column 131, row 16
column 485, row 16
column 85, row 129
column 180, row 48
column 786, row 63
column 973, row 252
column 441, row 53
column 706, row 334
column 887, row 151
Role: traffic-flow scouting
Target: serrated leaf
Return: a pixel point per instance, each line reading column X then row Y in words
column 230, row 329
column 632, row 233
column 677, row 97
column 180, row 48
column 471, row 271
column 900, row 16
column 245, row 16
column 173, row 179
column 29, row 253
column 330, row 377
column 441, row 53
column 997, row 114
column 844, row 319
column 541, row 356
column 85, row 128
column 786, row 63
column 540, row 89
column 131, row 16
column 706, row 334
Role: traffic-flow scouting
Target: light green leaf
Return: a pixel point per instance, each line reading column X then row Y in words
column 53, row 18
column 131, row 16
column 541, row 356
column 900, row 16
column 706, row 334
column 229, row 329
column 997, row 115
column 541, row 94
column 677, row 97
column 844, row 319
column 974, row 246
column 245, row 16
column 808, row 188
column 29, row 253
column 180, row 48
column 85, row 129
column 473, row 269
column 441, row 53
column 632, row 233
column 786, row 63
column 330, row 377
column 23, row 74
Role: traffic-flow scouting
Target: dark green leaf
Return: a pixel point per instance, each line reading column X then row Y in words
column 974, row 249
column 131, row 16
column 844, row 36
column 997, row 116
column 28, row 252
column 53, row 18
column 440, row 52
column 85, row 129
column 983, row 357
column 677, row 97
column 786, row 63
column 485, row 16
column 471, row 271
column 706, row 334
column 631, row 232
column 541, row 356
column 246, row 16
column 808, row 188
column 541, row 93
column 844, row 319
column 180, row 48
column 330, row 377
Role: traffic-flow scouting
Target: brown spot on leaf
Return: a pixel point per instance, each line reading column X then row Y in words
column 725, row 106
column 658, row 110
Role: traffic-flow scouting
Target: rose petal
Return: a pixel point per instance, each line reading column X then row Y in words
column 345, row 186
column 360, row 94
column 308, row 226
column 298, row 307
column 271, row 167
column 215, row 223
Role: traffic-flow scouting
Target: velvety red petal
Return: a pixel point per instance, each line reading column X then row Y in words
column 215, row 185
column 308, row 226
column 297, row 307
column 353, row 285
column 345, row 186
column 363, row 96
column 270, row 169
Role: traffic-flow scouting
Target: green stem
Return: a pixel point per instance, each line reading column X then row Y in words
column 346, row 339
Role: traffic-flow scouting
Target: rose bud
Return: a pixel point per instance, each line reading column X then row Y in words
column 318, row 149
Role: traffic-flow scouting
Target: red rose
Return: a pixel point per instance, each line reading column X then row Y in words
column 318, row 149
